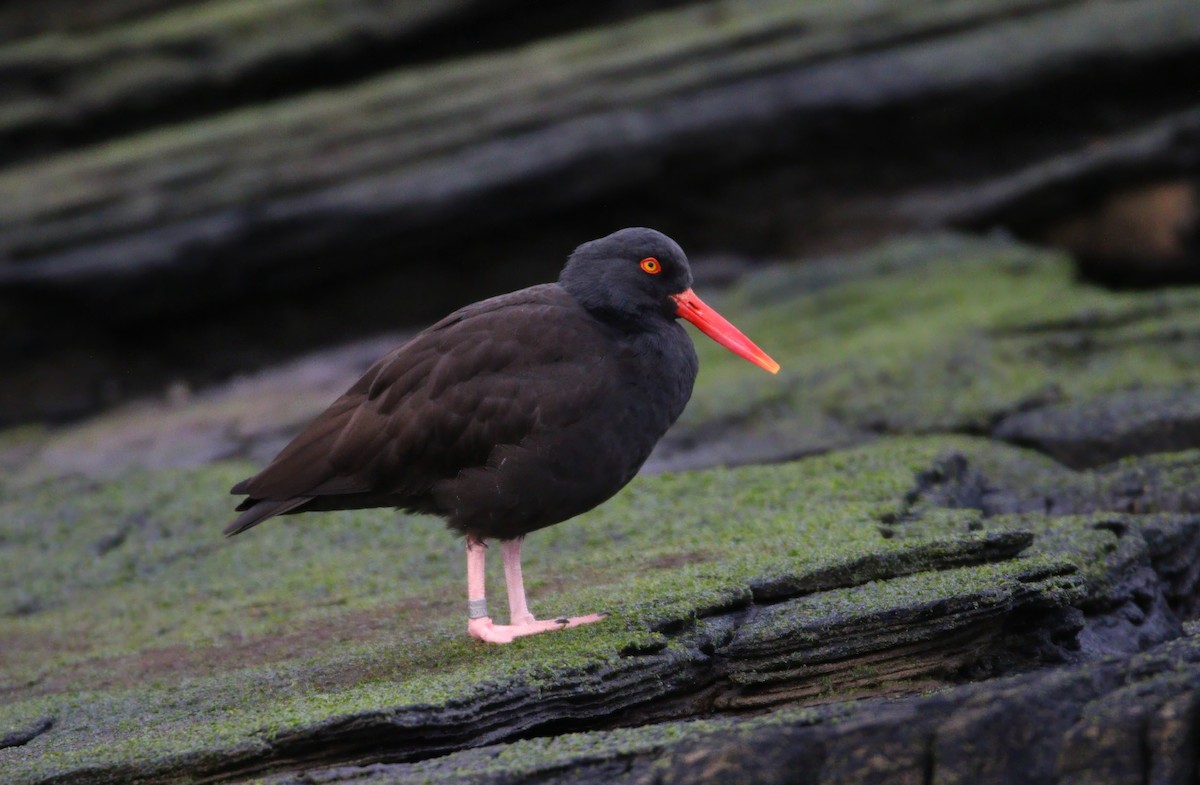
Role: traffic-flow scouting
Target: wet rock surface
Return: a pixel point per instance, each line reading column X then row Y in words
column 1103, row 429
column 934, row 590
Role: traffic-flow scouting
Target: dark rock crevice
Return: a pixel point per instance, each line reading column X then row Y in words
column 26, row 735
column 1156, row 550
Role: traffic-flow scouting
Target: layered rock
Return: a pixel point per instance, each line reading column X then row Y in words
column 158, row 226
column 935, row 596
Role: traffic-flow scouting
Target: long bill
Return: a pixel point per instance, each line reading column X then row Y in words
column 716, row 327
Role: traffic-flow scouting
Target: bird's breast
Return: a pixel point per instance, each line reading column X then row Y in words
column 598, row 419
column 663, row 365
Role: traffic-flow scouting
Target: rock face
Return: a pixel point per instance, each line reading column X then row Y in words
column 985, row 565
column 1115, row 720
column 190, row 188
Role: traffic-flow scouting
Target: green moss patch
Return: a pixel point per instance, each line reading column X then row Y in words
column 940, row 334
column 128, row 614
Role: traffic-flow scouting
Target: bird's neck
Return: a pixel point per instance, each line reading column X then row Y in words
column 621, row 316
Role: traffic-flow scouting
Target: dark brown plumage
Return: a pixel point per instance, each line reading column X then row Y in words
column 514, row 413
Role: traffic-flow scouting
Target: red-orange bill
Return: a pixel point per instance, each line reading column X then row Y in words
column 716, row 327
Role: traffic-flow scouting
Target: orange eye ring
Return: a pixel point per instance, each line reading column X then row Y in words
column 651, row 265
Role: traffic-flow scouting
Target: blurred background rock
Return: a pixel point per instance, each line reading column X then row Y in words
column 193, row 189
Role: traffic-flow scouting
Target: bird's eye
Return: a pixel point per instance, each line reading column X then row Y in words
column 651, row 265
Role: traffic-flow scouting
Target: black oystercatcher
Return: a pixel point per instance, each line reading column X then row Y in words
column 511, row 414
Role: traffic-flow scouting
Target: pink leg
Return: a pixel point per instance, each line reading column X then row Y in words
column 522, row 621
column 510, row 553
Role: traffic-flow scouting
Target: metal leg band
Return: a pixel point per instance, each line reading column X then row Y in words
column 476, row 609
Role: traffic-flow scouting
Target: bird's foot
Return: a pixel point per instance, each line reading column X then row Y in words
column 484, row 630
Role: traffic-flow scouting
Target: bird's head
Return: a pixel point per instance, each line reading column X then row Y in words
column 636, row 274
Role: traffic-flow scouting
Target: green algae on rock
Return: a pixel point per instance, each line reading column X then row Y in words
column 944, row 334
column 1106, row 721
column 321, row 635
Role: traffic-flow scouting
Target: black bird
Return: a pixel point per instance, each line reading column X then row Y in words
column 512, row 414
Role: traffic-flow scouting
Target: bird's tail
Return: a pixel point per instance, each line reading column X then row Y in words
column 258, row 510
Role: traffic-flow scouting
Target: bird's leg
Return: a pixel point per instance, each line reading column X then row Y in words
column 479, row 624
column 476, row 588
column 518, row 610
column 523, row 623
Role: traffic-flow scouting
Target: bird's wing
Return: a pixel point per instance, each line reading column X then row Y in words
column 486, row 375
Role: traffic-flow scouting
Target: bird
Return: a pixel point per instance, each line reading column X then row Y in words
column 511, row 414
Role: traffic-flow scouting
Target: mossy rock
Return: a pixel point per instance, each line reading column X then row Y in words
column 140, row 646
column 947, row 334
column 340, row 638
column 1105, row 722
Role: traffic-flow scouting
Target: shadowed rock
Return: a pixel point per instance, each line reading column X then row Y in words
column 1103, row 429
column 742, row 126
